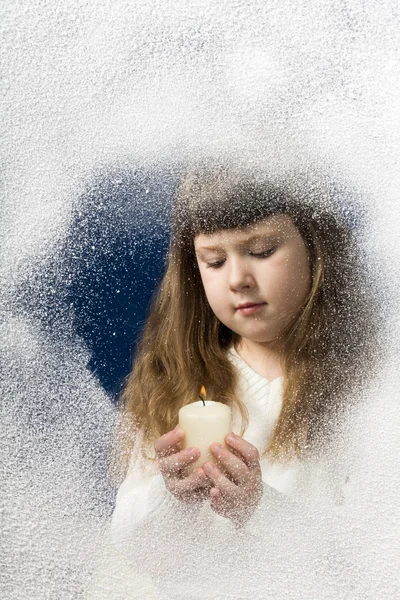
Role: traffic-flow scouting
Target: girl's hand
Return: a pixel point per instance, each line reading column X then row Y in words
column 237, row 495
column 174, row 462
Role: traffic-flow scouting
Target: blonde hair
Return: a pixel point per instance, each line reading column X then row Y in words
column 184, row 346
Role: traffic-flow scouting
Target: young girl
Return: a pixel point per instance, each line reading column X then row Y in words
column 264, row 303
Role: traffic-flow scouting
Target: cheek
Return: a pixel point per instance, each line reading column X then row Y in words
column 294, row 280
column 209, row 286
column 301, row 280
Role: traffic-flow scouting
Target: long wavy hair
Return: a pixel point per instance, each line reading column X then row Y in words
column 184, row 346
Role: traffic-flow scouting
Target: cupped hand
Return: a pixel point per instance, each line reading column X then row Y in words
column 174, row 464
column 238, row 485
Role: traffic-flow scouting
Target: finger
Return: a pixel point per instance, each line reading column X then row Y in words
column 195, row 496
column 216, row 500
column 177, row 463
column 247, row 451
column 225, row 485
column 215, row 493
column 234, row 465
column 170, row 442
column 198, row 493
column 192, row 496
column 194, row 482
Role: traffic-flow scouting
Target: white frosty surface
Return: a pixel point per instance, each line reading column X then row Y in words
column 55, row 430
column 87, row 85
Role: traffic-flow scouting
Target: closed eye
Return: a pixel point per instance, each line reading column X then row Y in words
column 218, row 263
column 264, row 254
column 215, row 265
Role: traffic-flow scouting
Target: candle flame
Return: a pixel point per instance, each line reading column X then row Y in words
column 203, row 391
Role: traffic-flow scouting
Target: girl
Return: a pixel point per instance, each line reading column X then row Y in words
column 265, row 303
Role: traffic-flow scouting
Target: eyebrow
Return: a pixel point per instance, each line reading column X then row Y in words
column 209, row 249
column 256, row 237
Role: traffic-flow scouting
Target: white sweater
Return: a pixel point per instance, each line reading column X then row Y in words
column 263, row 400
column 161, row 536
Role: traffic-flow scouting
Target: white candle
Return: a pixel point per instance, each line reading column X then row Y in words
column 204, row 425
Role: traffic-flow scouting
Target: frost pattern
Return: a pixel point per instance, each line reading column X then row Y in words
column 108, row 88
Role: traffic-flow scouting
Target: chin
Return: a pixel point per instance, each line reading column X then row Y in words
column 264, row 340
column 259, row 338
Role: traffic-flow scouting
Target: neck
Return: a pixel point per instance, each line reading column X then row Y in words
column 264, row 358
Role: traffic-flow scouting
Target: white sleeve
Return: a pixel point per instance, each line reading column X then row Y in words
column 147, row 516
column 271, row 505
column 304, row 491
column 137, row 501
column 141, row 493
column 174, row 546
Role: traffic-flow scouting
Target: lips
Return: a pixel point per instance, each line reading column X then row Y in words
column 250, row 307
column 247, row 304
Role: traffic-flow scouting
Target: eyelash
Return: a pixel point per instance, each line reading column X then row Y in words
column 260, row 255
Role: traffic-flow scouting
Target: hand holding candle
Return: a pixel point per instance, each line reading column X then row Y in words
column 238, row 490
column 205, row 422
column 234, row 469
column 174, row 466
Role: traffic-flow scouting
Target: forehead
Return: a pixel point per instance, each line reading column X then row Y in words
column 275, row 225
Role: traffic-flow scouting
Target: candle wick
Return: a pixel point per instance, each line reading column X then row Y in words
column 202, row 399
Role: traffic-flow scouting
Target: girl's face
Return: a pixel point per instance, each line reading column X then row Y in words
column 255, row 278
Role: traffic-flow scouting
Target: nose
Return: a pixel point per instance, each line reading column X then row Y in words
column 240, row 275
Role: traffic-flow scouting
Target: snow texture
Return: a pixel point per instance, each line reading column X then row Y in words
column 107, row 89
